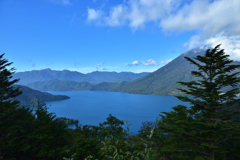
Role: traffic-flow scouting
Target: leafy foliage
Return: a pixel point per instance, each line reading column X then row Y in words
column 67, row 120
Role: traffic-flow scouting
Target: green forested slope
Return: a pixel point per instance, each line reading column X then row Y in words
column 30, row 96
column 57, row 85
column 104, row 86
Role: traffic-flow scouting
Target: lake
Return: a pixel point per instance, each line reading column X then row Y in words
column 93, row 107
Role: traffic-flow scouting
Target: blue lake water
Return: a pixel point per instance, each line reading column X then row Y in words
column 93, row 107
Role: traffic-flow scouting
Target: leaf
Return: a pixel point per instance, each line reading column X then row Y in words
column 116, row 142
column 132, row 145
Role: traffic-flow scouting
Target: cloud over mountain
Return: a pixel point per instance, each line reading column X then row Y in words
column 150, row 62
column 213, row 21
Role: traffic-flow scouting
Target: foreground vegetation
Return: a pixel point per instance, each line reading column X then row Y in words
column 67, row 120
column 209, row 129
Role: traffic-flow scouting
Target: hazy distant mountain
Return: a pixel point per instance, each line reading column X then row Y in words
column 30, row 96
column 65, row 75
column 57, row 85
column 115, row 77
column 48, row 74
column 164, row 80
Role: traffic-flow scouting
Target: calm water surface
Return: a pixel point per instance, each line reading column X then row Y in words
column 93, row 107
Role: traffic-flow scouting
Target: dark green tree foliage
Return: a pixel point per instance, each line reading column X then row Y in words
column 112, row 126
column 24, row 135
column 7, row 92
column 84, row 142
column 12, row 131
column 48, row 136
column 199, row 131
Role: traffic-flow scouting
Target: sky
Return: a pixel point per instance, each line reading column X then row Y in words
column 113, row 35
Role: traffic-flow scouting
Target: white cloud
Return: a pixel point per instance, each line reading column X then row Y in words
column 215, row 21
column 98, row 65
column 210, row 18
column 151, row 62
column 136, row 13
column 135, row 63
column 94, row 14
column 231, row 45
column 116, row 16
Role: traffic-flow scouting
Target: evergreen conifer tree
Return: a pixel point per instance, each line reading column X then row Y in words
column 24, row 135
column 7, row 92
column 11, row 116
column 197, row 132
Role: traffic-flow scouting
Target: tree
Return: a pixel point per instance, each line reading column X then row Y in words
column 112, row 126
column 13, row 120
column 198, row 131
column 25, row 135
column 48, row 135
column 85, row 142
column 7, row 92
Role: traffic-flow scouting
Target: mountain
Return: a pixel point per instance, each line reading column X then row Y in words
column 66, row 75
column 48, row 74
column 115, row 77
column 30, row 96
column 104, row 86
column 164, row 80
column 57, row 85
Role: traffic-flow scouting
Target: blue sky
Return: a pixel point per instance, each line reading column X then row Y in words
column 113, row 35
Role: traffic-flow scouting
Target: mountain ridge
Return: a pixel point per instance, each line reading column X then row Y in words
column 66, row 75
column 160, row 82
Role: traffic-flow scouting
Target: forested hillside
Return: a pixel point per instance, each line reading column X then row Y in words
column 57, row 85
column 29, row 97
